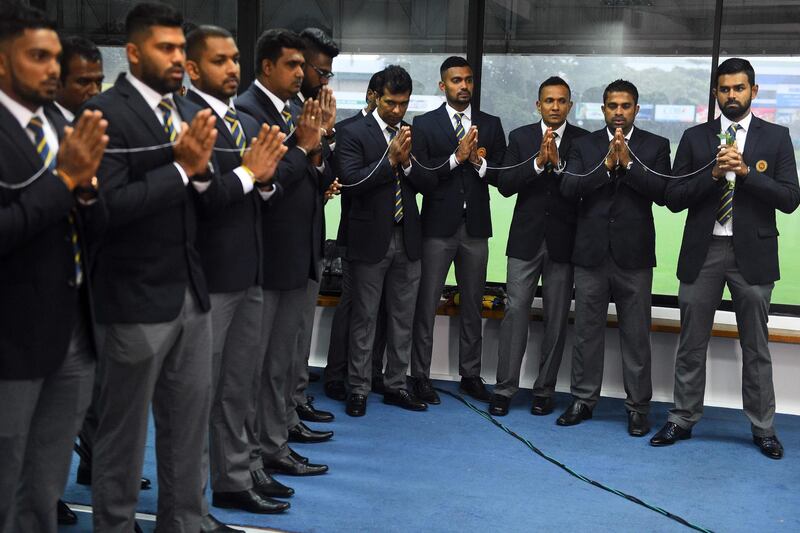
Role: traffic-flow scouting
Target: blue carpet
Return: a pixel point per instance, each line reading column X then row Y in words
column 450, row 470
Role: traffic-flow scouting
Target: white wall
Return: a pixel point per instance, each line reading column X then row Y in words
column 723, row 378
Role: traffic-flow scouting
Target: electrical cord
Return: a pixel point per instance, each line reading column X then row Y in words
column 571, row 472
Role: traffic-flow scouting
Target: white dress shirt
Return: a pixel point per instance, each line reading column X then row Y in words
column 466, row 122
column 559, row 135
column 24, row 116
column 741, row 138
column 69, row 115
column 383, row 125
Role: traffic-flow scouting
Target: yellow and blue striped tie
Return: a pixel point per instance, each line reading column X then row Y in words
column 232, row 118
column 725, row 209
column 398, row 190
column 36, row 126
column 167, row 109
column 459, row 126
column 287, row 117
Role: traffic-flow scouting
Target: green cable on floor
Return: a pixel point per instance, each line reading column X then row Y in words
column 571, row 472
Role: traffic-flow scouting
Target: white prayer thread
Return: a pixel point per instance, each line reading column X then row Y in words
column 368, row 176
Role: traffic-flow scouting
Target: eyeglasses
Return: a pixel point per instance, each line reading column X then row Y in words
column 324, row 74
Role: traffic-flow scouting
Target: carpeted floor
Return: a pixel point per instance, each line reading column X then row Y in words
column 450, row 470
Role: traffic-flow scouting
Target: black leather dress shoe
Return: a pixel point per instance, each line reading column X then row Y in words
column 308, row 413
column 209, row 524
column 377, row 385
column 542, row 405
column 499, row 405
column 576, row 413
column 638, row 425
column 249, row 501
column 313, row 377
column 292, row 467
column 84, row 477
column 335, row 390
column 769, row 446
column 403, row 398
column 66, row 516
column 297, row 456
column 474, row 387
column 669, row 434
column 268, row 487
column 356, row 405
column 302, row 433
column 423, row 389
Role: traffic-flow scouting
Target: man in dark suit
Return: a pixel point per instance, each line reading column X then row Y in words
column 614, row 252
column 81, row 75
column 730, row 238
column 47, row 193
column 292, row 229
column 384, row 238
column 456, row 223
column 336, row 367
column 229, row 243
column 540, row 244
column 150, row 291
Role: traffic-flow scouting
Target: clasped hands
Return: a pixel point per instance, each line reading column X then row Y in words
column 548, row 151
column 81, row 150
column 468, row 147
column 618, row 153
column 400, row 148
column 729, row 159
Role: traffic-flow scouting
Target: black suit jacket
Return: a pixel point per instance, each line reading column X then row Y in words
column 148, row 256
column 293, row 222
column 755, row 199
column 541, row 212
column 615, row 214
column 371, row 220
column 341, row 234
column 229, row 235
column 40, row 300
column 433, row 141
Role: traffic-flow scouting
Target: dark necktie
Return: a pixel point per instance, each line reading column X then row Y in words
column 287, row 117
column 398, row 190
column 459, row 126
column 232, row 118
column 167, row 109
column 725, row 209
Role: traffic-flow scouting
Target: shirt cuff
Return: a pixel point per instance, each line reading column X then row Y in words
column 184, row 175
column 482, row 169
column 321, row 168
column 266, row 195
column 245, row 178
column 453, row 161
column 407, row 171
column 536, row 167
column 201, row 186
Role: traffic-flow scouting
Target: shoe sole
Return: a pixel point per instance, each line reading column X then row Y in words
column 498, row 413
column 561, row 422
column 662, row 444
column 260, row 511
column 406, row 407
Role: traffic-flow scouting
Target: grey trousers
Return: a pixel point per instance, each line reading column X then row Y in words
column 283, row 311
column 304, row 350
column 399, row 278
column 522, row 277
column 631, row 290
column 698, row 302
column 39, row 419
column 236, row 331
column 470, row 255
column 167, row 364
column 336, row 367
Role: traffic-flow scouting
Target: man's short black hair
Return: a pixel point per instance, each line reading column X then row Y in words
column 554, row 81
column 272, row 42
column 375, row 82
column 453, row 62
column 196, row 39
column 148, row 14
column 736, row 65
column 621, row 86
column 16, row 17
column 75, row 45
column 319, row 41
column 394, row 79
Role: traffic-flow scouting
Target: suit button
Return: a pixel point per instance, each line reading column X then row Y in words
column 548, row 193
column 71, row 283
column 612, row 220
column 547, row 212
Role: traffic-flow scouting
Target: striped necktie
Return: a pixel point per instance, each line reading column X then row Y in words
column 287, row 117
column 167, row 109
column 232, row 118
column 725, row 209
column 36, row 126
column 398, row 190
column 459, row 126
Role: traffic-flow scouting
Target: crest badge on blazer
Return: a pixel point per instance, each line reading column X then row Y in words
column 761, row 166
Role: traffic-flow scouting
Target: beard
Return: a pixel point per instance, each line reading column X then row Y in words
column 309, row 91
column 35, row 97
column 157, row 80
column 736, row 110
